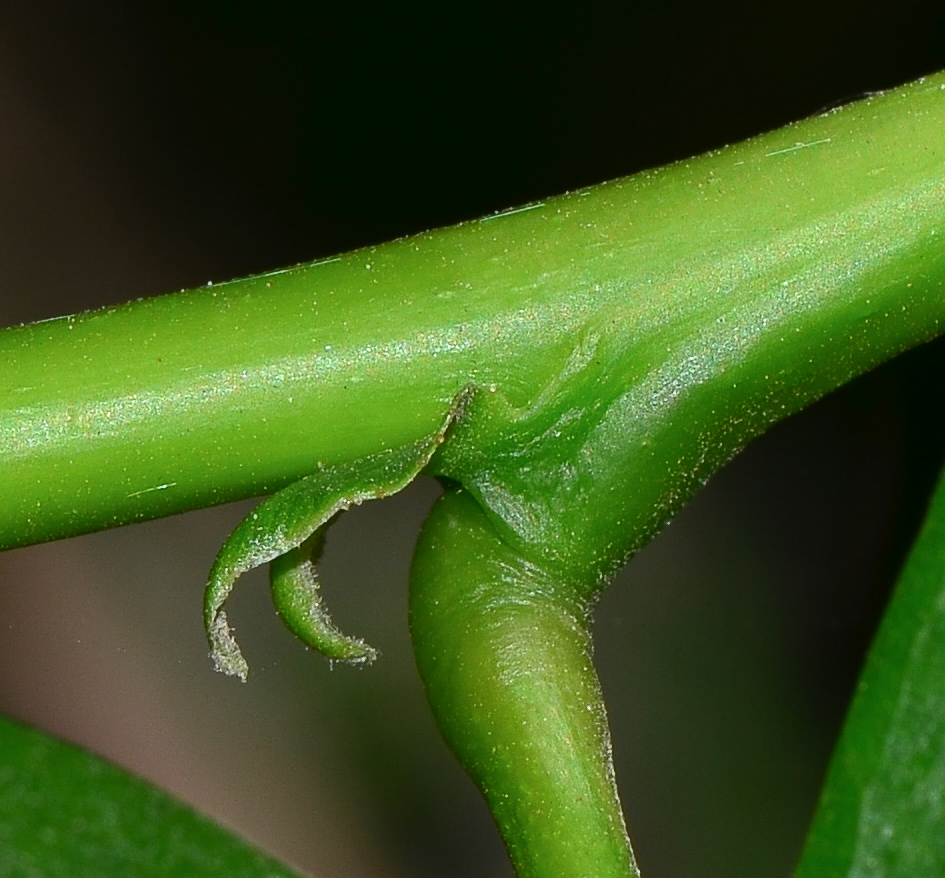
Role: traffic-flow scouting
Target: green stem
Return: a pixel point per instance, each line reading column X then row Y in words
column 505, row 655
column 802, row 258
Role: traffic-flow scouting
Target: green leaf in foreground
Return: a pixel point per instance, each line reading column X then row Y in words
column 67, row 814
column 882, row 812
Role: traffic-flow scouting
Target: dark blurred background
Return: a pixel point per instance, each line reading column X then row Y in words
column 149, row 146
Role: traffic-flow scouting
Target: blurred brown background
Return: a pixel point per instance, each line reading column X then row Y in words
column 151, row 146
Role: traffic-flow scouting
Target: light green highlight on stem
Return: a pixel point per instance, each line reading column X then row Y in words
column 755, row 273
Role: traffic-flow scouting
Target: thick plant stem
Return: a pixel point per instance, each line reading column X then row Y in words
column 505, row 655
column 725, row 292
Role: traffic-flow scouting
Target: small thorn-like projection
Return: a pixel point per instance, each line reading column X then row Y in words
column 288, row 529
column 226, row 654
column 296, row 592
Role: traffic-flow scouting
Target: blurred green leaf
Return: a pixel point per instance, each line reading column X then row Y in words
column 64, row 812
column 882, row 812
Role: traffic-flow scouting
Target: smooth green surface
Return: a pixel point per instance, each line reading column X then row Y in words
column 67, row 814
column 882, row 813
column 692, row 306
